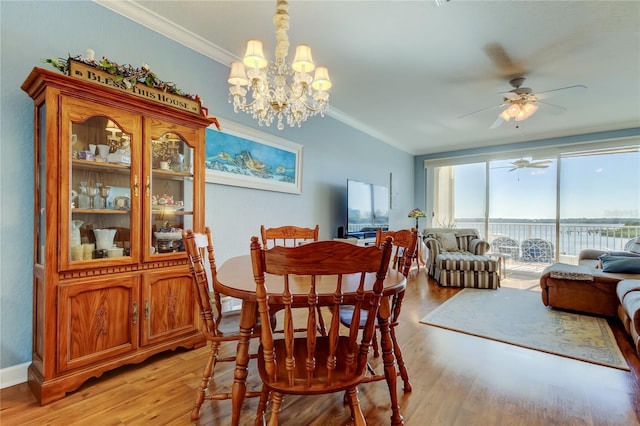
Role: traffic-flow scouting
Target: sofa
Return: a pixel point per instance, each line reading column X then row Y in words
column 456, row 258
column 605, row 283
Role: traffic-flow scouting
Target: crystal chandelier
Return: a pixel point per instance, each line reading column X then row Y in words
column 279, row 89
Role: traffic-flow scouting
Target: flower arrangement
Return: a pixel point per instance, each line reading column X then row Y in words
column 127, row 74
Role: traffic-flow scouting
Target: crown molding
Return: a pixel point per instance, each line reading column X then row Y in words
column 145, row 17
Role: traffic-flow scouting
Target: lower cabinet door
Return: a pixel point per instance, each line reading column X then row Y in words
column 169, row 306
column 97, row 320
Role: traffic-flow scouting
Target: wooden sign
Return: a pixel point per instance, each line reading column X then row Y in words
column 93, row 75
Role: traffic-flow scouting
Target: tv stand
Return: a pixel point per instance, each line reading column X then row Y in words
column 358, row 241
column 362, row 234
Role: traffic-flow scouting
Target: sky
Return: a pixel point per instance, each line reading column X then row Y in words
column 592, row 186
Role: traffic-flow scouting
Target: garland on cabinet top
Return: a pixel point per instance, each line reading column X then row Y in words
column 126, row 78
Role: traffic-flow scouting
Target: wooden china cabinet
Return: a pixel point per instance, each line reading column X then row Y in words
column 117, row 177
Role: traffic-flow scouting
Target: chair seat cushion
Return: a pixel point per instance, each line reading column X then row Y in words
column 465, row 261
column 346, row 313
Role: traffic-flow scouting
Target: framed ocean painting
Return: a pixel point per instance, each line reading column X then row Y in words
column 241, row 156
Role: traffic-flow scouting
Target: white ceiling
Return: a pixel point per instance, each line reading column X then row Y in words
column 405, row 71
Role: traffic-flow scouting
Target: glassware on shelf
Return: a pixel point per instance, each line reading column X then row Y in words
column 84, row 202
column 104, row 238
column 177, row 161
column 104, row 193
column 75, row 241
column 103, row 151
column 92, row 192
column 75, row 232
column 98, row 201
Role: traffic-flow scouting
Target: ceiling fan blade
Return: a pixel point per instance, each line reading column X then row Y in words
column 520, row 164
column 506, row 66
column 510, row 95
column 512, row 169
column 542, row 162
column 482, row 110
column 497, row 123
column 537, row 166
column 552, row 92
column 555, row 108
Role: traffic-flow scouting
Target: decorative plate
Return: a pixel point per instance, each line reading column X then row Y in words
column 122, row 203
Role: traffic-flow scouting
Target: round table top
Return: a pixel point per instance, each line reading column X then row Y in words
column 235, row 279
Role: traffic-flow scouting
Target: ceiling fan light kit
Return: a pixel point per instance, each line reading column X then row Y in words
column 518, row 111
column 521, row 103
column 279, row 90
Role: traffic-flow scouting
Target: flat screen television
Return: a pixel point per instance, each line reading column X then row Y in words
column 367, row 208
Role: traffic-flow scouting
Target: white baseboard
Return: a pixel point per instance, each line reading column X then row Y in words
column 13, row 375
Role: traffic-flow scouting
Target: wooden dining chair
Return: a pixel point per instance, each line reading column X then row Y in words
column 312, row 364
column 218, row 327
column 405, row 243
column 288, row 235
column 291, row 236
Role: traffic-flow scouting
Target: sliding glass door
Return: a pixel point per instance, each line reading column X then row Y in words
column 544, row 209
column 599, row 201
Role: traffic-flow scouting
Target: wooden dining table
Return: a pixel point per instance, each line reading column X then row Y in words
column 235, row 278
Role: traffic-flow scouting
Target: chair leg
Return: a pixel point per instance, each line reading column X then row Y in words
column 276, row 403
column 374, row 344
column 400, row 361
column 262, row 406
column 354, row 405
column 390, row 371
column 204, row 383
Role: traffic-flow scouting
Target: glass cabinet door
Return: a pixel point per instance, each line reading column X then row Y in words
column 101, row 226
column 170, row 192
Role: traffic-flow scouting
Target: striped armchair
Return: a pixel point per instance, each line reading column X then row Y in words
column 457, row 258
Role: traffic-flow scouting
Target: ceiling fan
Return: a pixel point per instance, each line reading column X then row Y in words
column 524, row 164
column 521, row 103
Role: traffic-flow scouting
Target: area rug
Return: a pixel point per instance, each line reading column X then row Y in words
column 518, row 317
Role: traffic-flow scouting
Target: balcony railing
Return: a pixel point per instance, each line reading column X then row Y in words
column 573, row 238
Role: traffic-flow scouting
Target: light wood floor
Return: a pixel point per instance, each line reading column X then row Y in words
column 457, row 380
